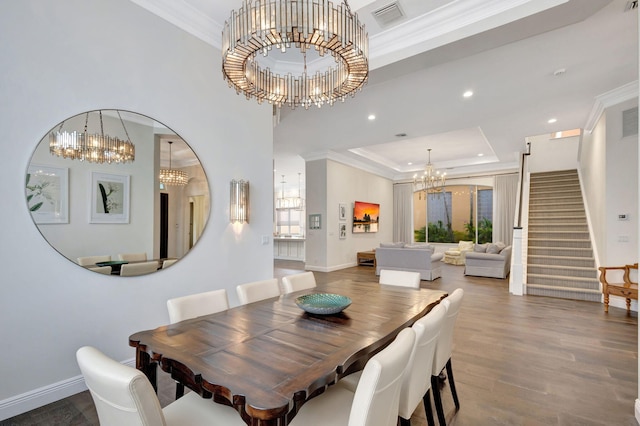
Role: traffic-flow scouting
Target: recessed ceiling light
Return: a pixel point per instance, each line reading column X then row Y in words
column 371, row 117
column 468, row 94
column 409, row 163
column 552, row 120
column 480, row 155
column 401, row 135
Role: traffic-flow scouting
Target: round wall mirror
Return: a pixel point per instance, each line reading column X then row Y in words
column 117, row 192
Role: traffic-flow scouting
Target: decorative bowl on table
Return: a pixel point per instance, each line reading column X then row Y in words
column 323, row 303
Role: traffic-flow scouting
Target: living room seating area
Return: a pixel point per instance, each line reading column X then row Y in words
column 418, row 257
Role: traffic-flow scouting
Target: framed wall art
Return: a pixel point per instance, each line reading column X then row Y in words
column 47, row 192
column 109, row 198
column 342, row 230
column 342, row 212
column 366, row 217
column 314, row 221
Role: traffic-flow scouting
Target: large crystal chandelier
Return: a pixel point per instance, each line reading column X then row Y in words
column 172, row 176
column 310, row 25
column 431, row 181
column 92, row 147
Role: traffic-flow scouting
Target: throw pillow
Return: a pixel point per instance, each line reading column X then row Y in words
column 480, row 248
column 423, row 246
column 392, row 245
column 465, row 245
column 493, row 249
column 501, row 246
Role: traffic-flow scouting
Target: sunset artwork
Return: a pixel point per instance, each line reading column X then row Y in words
column 365, row 217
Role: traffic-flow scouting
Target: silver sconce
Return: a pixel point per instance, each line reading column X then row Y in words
column 239, row 201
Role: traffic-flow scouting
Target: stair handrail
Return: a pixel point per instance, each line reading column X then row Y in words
column 521, row 183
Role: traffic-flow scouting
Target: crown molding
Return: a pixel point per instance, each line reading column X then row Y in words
column 610, row 98
column 451, row 22
column 348, row 161
column 187, row 18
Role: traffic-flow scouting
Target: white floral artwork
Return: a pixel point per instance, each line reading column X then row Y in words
column 47, row 192
column 109, row 198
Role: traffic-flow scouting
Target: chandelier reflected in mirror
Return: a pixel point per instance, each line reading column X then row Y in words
column 257, row 52
column 92, row 147
column 431, row 181
column 172, row 176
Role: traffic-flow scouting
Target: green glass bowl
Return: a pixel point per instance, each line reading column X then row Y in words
column 323, row 303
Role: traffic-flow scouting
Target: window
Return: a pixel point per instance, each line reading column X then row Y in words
column 452, row 215
column 289, row 221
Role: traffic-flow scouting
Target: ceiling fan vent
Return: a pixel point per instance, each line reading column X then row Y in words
column 388, row 14
column 630, row 122
column 631, row 4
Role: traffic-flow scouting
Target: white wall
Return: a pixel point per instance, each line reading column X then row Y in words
column 553, row 154
column 621, row 189
column 315, row 252
column 592, row 169
column 325, row 251
column 65, row 57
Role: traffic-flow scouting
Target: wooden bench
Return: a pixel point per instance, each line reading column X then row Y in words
column 627, row 288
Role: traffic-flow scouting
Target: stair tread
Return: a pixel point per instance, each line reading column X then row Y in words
column 581, row 268
column 563, row 277
column 570, row 289
column 545, row 256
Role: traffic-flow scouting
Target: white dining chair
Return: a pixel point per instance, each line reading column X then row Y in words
column 168, row 262
column 258, row 290
column 416, row 384
column 106, row 270
column 134, row 269
column 442, row 357
column 196, row 305
column 124, row 396
column 376, row 399
column 133, row 257
column 92, row 260
column 400, row 278
column 297, row 282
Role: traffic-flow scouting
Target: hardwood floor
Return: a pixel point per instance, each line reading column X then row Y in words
column 517, row 360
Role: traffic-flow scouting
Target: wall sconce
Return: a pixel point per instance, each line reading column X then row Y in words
column 239, row 201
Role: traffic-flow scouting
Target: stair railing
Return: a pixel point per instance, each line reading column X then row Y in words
column 516, row 279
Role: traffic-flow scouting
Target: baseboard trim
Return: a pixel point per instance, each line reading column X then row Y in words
column 36, row 398
column 620, row 302
column 329, row 268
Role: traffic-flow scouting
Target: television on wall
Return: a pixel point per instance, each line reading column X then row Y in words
column 366, row 217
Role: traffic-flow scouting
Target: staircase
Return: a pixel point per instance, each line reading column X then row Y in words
column 560, row 259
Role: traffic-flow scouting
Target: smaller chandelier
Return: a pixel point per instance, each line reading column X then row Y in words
column 295, row 203
column 432, row 181
column 94, row 148
column 259, row 26
column 172, row 176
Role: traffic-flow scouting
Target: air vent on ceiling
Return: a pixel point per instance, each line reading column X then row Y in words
column 388, row 14
column 630, row 122
column 631, row 4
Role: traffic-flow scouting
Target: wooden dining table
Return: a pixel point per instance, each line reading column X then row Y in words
column 267, row 358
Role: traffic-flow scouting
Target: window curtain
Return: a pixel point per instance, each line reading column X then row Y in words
column 403, row 212
column 505, row 198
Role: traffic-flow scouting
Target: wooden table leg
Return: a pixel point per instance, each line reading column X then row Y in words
column 150, row 369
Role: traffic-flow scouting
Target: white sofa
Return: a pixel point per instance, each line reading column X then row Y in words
column 495, row 262
column 409, row 257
